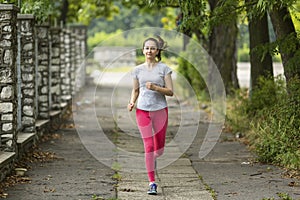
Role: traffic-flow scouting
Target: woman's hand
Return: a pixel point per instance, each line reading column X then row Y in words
column 150, row 86
column 167, row 90
column 134, row 94
column 130, row 106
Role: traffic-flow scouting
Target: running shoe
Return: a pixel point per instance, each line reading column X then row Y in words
column 153, row 189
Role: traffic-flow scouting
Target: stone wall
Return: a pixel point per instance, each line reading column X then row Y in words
column 39, row 68
column 8, row 79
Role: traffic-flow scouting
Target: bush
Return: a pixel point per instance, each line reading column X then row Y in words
column 191, row 74
column 264, row 96
column 273, row 118
column 192, row 66
column 278, row 134
column 236, row 116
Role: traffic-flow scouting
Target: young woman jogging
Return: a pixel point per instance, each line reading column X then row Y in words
column 152, row 82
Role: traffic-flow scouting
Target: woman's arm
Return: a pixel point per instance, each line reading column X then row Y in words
column 167, row 90
column 134, row 94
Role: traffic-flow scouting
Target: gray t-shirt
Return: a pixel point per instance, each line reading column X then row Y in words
column 150, row 100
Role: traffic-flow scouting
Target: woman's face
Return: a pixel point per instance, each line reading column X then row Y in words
column 150, row 50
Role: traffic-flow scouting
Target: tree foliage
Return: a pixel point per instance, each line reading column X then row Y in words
column 41, row 9
column 129, row 18
column 67, row 11
column 85, row 11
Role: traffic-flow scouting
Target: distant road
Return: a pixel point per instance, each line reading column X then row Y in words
column 243, row 73
column 124, row 78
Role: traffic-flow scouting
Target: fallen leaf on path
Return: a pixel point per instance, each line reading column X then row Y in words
column 294, row 184
column 46, row 190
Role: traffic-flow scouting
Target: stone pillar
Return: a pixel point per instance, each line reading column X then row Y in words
column 43, row 79
column 66, row 66
column 81, row 52
column 27, row 72
column 62, row 67
column 55, row 67
column 8, row 82
column 74, row 58
column 77, row 62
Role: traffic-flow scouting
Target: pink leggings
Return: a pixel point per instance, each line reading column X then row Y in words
column 153, row 127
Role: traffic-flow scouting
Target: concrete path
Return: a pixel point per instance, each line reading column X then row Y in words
column 102, row 159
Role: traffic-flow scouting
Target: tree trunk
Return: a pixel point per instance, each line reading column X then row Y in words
column 64, row 12
column 286, row 34
column 222, row 49
column 261, row 65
